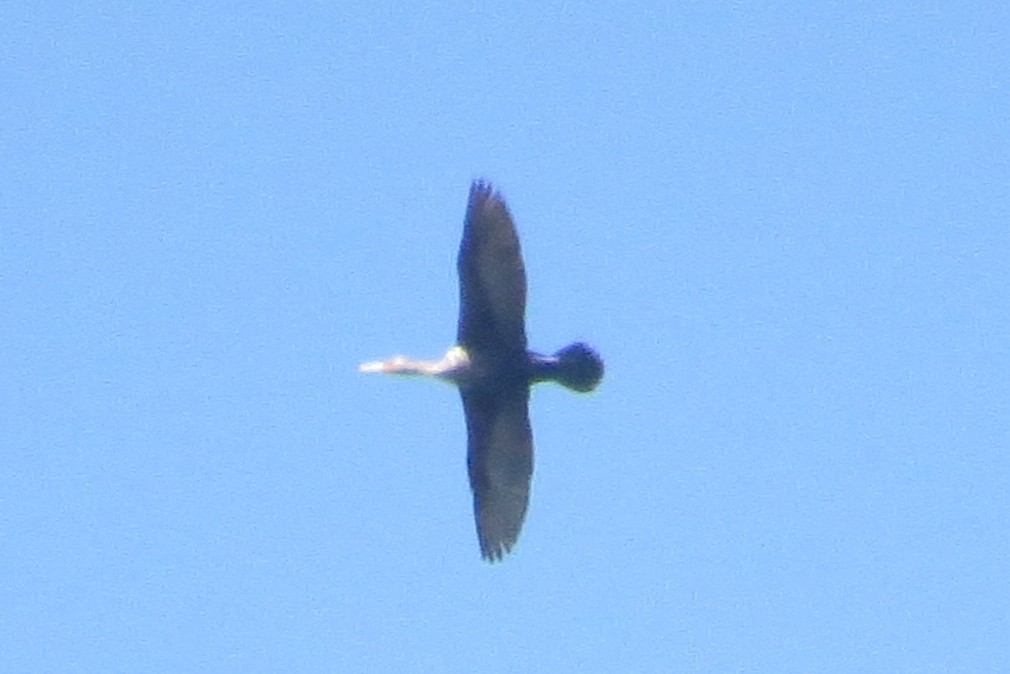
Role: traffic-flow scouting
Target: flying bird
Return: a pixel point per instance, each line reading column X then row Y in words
column 494, row 370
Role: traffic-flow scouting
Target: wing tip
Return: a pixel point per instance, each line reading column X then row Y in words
column 496, row 539
column 493, row 552
column 482, row 192
column 481, row 184
column 486, row 210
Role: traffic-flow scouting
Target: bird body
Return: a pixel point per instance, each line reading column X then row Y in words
column 494, row 370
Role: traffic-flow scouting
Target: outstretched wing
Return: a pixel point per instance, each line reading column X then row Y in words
column 492, row 278
column 500, row 462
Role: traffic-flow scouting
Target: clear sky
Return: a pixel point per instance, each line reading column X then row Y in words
column 786, row 227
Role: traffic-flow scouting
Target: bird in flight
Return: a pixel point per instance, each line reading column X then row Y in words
column 494, row 370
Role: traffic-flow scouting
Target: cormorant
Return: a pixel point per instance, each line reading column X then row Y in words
column 493, row 369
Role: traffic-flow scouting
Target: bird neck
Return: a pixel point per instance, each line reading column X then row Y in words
column 543, row 368
column 576, row 367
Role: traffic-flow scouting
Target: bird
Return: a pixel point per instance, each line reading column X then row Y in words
column 493, row 369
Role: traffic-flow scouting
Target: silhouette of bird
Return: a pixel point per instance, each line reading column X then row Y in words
column 494, row 370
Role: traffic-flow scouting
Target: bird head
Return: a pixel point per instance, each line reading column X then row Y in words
column 580, row 367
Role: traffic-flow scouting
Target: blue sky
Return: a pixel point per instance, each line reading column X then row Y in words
column 784, row 226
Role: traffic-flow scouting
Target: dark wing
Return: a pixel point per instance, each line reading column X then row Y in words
column 500, row 462
column 492, row 279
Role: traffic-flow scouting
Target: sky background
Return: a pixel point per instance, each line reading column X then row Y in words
column 785, row 226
